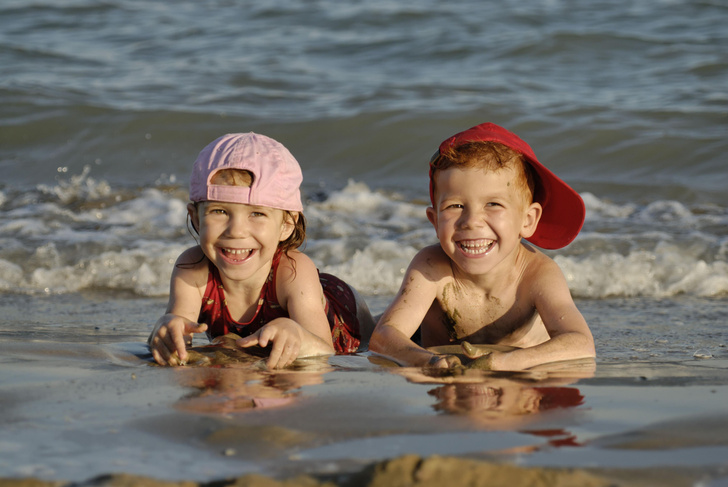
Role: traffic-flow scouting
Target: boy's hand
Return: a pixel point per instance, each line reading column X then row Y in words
column 169, row 341
column 285, row 335
column 484, row 362
column 443, row 362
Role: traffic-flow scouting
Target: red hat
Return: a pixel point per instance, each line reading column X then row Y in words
column 563, row 209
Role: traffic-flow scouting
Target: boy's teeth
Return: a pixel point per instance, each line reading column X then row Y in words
column 476, row 248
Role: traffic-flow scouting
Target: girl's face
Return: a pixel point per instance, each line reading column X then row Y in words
column 239, row 239
column 480, row 217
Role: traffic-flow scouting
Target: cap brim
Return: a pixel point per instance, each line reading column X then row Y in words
column 563, row 211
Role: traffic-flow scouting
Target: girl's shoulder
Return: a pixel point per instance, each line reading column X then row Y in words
column 190, row 272
column 294, row 264
column 192, row 261
column 298, row 277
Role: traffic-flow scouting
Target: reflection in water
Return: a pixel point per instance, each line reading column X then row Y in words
column 502, row 403
column 233, row 389
column 507, row 400
column 227, row 379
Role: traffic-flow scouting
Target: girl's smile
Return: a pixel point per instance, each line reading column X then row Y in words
column 235, row 255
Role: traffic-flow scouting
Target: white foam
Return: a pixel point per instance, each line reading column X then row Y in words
column 604, row 209
column 665, row 272
column 78, row 187
column 83, row 234
column 377, row 269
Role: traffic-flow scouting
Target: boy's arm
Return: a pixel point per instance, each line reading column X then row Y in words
column 175, row 328
column 570, row 337
column 391, row 336
column 306, row 332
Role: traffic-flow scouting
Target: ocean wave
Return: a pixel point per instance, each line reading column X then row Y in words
column 85, row 234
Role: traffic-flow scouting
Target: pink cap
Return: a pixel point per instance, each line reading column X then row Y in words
column 563, row 209
column 276, row 174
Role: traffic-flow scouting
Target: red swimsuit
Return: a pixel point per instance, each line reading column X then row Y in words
column 340, row 309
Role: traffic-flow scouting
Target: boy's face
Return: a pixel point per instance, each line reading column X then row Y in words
column 480, row 216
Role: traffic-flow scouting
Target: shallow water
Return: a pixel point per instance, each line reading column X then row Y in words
column 80, row 398
column 105, row 104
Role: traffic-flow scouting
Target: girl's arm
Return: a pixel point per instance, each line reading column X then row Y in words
column 173, row 331
column 306, row 332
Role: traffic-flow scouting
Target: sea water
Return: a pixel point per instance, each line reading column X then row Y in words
column 104, row 106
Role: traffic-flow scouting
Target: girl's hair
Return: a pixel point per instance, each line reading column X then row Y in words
column 241, row 177
column 491, row 156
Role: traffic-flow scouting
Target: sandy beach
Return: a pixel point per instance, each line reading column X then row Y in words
column 104, row 106
column 85, row 405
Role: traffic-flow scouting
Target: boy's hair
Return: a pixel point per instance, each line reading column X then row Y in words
column 241, row 177
column 492, row 156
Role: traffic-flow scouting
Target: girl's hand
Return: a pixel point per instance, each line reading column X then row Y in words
column 286, row 336
column 168, row 342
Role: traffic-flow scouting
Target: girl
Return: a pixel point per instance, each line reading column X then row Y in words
column 246, row 276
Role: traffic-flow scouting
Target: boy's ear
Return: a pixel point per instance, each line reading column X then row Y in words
column 194, row 216
column 288, row 225
column 432, row 216
column 530, row 219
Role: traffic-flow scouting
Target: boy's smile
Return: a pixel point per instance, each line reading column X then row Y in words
column 476, row 247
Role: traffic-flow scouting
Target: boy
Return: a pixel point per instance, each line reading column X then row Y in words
column 481, row 283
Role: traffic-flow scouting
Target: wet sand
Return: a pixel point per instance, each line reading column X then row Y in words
column 86, row 406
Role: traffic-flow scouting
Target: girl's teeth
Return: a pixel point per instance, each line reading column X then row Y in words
column 237, row 251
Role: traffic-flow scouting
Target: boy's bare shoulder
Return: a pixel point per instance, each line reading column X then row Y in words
column 431, row 261
column 539, row 267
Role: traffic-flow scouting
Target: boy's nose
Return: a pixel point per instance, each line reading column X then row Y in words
column 471, row 219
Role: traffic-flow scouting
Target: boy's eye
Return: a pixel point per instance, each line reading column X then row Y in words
column 454, row 206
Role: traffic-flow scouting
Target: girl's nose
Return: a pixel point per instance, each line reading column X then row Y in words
column 237, row 227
